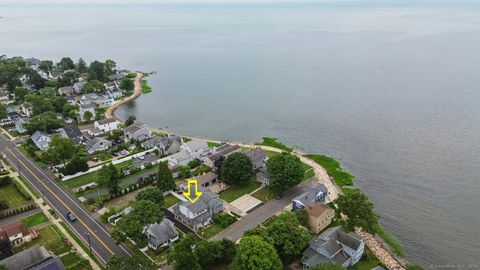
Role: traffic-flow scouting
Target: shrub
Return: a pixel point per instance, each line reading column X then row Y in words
column 224, row 220
column 3, row 205
column 6, row 180
column 22, row 191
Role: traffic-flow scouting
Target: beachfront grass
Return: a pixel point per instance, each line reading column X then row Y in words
column 234, row 192
column 35, row 219
column 50, row 239
column 212, row 144
column 349, row 189
column 391, row 241
column 11, row 194
column 145, row 87
column 170, row 200
column 89, row 178
column 210, row 231
column 334, row 169
column 273, row 142
column 308, row 171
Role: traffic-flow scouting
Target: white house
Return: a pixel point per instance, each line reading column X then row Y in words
column 41, row 140
column 180, row 158
column 106, row 125
column 90, row 107
column 196, row 148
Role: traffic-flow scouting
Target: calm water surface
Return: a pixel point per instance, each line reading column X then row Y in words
column 392, row 90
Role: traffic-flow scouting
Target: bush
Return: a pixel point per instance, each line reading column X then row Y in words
column 6, row 180
column 3, row 205
column 22, row 191
column 224, row 220
column 76, row 165
column 194, row 163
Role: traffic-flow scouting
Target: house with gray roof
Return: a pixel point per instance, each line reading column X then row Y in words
column 199, row 214
column 97, row 144
column 20, row 124
column 257, row 157
column 66, row 91
column 34, row 258
column 166, row 145
column 41, row 140
column 89, row 107
column 72, row 132
column 196, row 148
column 223, row 151
column 161, row 235
column 315, row 194
column 263, row 177
column 334, row 246
column 78, row 87
column 180, row 158
column 207, row 179
column 138, row 131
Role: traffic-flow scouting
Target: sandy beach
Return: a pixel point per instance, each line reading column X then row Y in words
column 110, row 113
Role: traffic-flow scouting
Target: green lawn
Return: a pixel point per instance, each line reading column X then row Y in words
column 308, row 171
column 73, row 261
column 347, row 190
column 212, row 144
column 145, row 87
column 12, row 196
column 35, row 219
column 273, row 142
column 210, row 231
column 50, row 239
column 334, row 169
column 34, row 192
column 89, row 178
column 264, row 194
column 159, row 256
column 235, row 192
column 367, row 262
column 170, row 200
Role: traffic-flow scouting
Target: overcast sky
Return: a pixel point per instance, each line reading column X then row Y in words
column 49, row 2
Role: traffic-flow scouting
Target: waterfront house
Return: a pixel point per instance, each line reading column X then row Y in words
column 166, row 145
column 17, row 233
column 263, row 177
column 34, row 258
column 196, row 148
column 106, row 125
column 72, row 132
column 161, row 235
column 257, row 157
column 215, row 160
column 315, row 194
column 90, row 107
column 138, row 131
column 97, row 144
column 41, row 140
column 180, row 158
column 319, row 216
column 334, row 246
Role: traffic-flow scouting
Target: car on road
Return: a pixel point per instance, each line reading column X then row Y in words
column 71, row 217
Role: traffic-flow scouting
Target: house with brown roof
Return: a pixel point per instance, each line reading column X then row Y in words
column 17, row 233
column 319, row 216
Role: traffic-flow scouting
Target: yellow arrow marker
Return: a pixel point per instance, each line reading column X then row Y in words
column 196, row 194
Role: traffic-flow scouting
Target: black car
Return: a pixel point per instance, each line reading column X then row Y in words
column 71, row 217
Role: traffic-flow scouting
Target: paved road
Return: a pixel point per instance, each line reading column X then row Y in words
column 85, row 227
column 262, row 213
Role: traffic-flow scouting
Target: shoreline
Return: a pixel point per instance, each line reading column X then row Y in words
column 384, row 254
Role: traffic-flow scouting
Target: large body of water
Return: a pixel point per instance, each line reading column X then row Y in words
column 393, row 90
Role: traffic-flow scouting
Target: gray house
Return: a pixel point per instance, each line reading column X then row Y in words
column 20, row 125
column 34, row 258
column 72, row 132
column 97, row 144
column 89, row 107
column 199, row 214
column 166, row 145
column 66, row 91
column 138, row 131
column 334, row 246
column 161, row 235
column 264, row 178
column 78, row 87
column 207, row 179
column 315, row 194
column 41, row 140
column 257, row 157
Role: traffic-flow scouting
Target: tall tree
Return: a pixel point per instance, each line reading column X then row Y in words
column 82, row 66
column 237, row 169
column 254, row 253
column 97, row 71
column 5, row 248
column 182, row 256
column 130, row 263
column 3, row 111
column 151, row 194
column 68, row 78
column 44, row 122
column 108, row 176
column 94, row 86
column 87, row 116
column 45, row 66
column 60, row 150
column 285, row 171
column 214, row 253
column 66, row 63
column 20, row 93
column 359, row 211
column 110, row 67
column 165, row 181
column 127, row 85
column 130, row 120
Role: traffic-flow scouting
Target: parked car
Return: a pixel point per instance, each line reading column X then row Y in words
column 94, row 159
column 71, row 217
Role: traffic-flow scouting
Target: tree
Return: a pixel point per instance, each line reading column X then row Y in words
column 87, row 116
column 68, row 78
column 96, row 71
column 214, row 253
column 9, row 75
column 237, row 169
column 3, row 111
column 359, row 211
column 5, row 248
column 108, row 176
column 327, row 266
column 130, row 263
column 3, row 205
column 165, row 181
column 94, row 86
column 44, row 122
column 130, row 120
column 184, row 171
column 51, row 83
column 289, row 239
column 66, row 63
column 127, row 85
column 302, row 216
column 45, row 66
column 60, row 150
column 48, row 92
column 132, row 225
column 110, row 67
column 77, row 164
column 182, row 256
column 286, row 171
column 151, row 194
column 82, row 66
column 254, row 253
column 40, row 104
column 20, row 94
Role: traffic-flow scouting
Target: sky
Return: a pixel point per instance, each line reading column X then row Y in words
column 123, row 2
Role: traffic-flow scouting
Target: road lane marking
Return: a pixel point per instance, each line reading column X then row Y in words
column 66, row 206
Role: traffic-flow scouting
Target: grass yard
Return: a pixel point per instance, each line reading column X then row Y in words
column 210, row 231
column 73, row 261
column 34, row 192
column 170, row 200
column 273, row 142
column 89, row 178
column 308, row 171
column 347, row 190
column 334, row 169
column 264, row 194
column 50, row 239
column 12, row 195
column 212, row 144
column 367, row 262
column 159, row 255
column 235, row 192
column 35, row 219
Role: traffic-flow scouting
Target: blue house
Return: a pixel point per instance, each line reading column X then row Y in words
column 314, row 194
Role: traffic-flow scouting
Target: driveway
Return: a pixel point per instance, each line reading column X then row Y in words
column 262, row 213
